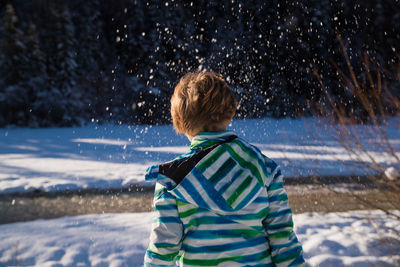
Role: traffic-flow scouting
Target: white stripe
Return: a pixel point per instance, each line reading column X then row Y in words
column 247, row 191
column 247, row 158
column 279, row 190
column 239, row 222
column 202, row 192
column 224, row 226
column 186, row 208
column 237, row 252
column 233, row 187
column 265, row 261
column 185, row 193
column 279, row 205
column 227, row 178
column 276, row 220
column 283, row 241
column 213, row 241
column 165, row 201
column 215, row 166
column 162, row 251
column 256, row 222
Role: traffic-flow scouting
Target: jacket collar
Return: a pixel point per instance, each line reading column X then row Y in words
column 206, row 139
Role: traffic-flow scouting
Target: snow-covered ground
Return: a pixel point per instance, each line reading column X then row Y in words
column 336, row 239
column 108, row 156
column 99, row 156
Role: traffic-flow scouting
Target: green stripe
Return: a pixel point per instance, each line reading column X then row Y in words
column 208, row 262
column 280, row 225
column 187, row 213
column 247, row 150
column 239, row 190
column 181, row 203
column 202, row 166
column 245, row 164
column 275, row 186
column 222, row 171
column 245, row 199
column 164, row 257
column 292, row 254
column 159, row 192
column 166, row 245
column 236, row 175
column 280, row 234
column 278, row 198
column 215, row 262
column 165, row 207
column 202, row 144
column 249, row 217
column 229, row 233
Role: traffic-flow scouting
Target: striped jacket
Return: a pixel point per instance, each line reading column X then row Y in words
column 221, row 204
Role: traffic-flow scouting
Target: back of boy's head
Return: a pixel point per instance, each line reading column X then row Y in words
column 202, row 101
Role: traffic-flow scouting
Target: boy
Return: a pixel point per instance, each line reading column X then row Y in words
column 223, row 203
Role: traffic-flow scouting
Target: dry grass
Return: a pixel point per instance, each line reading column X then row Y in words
column 373, row 101
column 303, row 198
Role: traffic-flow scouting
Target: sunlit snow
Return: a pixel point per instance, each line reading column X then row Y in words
column 108, row 156
column 333, row 239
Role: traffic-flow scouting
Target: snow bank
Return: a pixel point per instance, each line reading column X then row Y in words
column 358, row 238
column 117, row 156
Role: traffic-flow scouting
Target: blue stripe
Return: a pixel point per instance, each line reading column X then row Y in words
column 278, row 198
column 261, row 200
column 179, row 195
column 160, row 244
column 210, row 191
column 282, row 225
column 249, row 196
column 154, row 255
column 277, row 174
column 225, row 247
column 299, row 260
column 253, row 151
column 184, row 156
column 248, row 216
column 270, row 164
column 276, row 185
column 258, row 228
column 288, row 253
column 264, row 265
column 279, row 213
column 166, row 207
column 150, row 174
column 216, row 234
column 286, row 245
column 147, row 264
column 192, row 191
column 226, row 185
column 211, row 220
column 257, row 257
column 166, row 181
column 166, row 195
column 222, row 171
column 168, row 219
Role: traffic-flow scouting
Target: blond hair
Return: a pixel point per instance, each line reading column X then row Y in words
column 201, row 101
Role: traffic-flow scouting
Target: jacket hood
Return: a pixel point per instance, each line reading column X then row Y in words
column 222, row 173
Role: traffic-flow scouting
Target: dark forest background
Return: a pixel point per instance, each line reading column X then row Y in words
column 70, row 62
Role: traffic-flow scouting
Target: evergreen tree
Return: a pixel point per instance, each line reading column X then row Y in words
column 58, row 105
column 93, row 84
column 22, row 68
column 13, row 47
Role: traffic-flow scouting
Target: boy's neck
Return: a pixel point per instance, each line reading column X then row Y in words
column 213, row 128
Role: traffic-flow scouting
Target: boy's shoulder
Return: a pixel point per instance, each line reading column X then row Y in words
column 256, row 151
column 245, row 154
column 155, row 172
